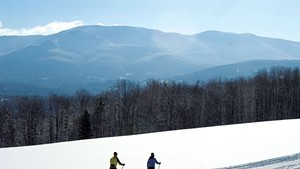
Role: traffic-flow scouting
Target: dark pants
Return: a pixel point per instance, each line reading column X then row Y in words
column 113, row 167
column 151, row 167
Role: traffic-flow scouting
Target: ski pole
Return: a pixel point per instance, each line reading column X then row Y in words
column 158, row 166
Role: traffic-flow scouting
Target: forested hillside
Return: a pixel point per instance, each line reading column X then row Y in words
column 132, row 108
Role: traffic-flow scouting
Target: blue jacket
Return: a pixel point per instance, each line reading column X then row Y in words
column 151, row 162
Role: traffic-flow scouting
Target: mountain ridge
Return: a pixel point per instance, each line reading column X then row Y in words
column 113, row 52
column 235, row 70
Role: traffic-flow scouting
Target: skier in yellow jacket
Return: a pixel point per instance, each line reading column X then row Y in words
column 114, row 161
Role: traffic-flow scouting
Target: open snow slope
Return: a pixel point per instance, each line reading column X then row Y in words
column 201, row 148
column 284, row 162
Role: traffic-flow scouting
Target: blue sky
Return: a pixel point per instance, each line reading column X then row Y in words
column 270, row 18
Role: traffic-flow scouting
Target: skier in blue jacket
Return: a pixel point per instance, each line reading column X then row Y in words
column 152, row 161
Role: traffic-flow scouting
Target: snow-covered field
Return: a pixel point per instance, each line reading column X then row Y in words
column 284, row 162
column 202, row 148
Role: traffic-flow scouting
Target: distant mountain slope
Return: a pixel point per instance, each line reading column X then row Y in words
column 12, row 43
column 97, row 54
column 230, row 48
column 247, row 68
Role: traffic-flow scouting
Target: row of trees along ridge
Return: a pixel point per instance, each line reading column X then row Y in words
column 131, row 108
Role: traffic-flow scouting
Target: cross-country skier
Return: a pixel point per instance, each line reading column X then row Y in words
column 114, row 161
column 152, row 161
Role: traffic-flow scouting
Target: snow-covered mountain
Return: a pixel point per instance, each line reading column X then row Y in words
column 99, row 54
column 201, row 148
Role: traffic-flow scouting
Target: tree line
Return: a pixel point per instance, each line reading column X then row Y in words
column 132, row 108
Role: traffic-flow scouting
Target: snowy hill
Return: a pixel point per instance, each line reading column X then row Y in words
column 290, row 161
column 201, row 148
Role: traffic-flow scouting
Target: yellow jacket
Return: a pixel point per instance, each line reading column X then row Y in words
column 114, row 161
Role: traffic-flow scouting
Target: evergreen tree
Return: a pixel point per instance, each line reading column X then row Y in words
column 85, row 129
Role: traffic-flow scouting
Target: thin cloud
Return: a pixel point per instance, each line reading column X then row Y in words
column 51, row 28
column 100, row 24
